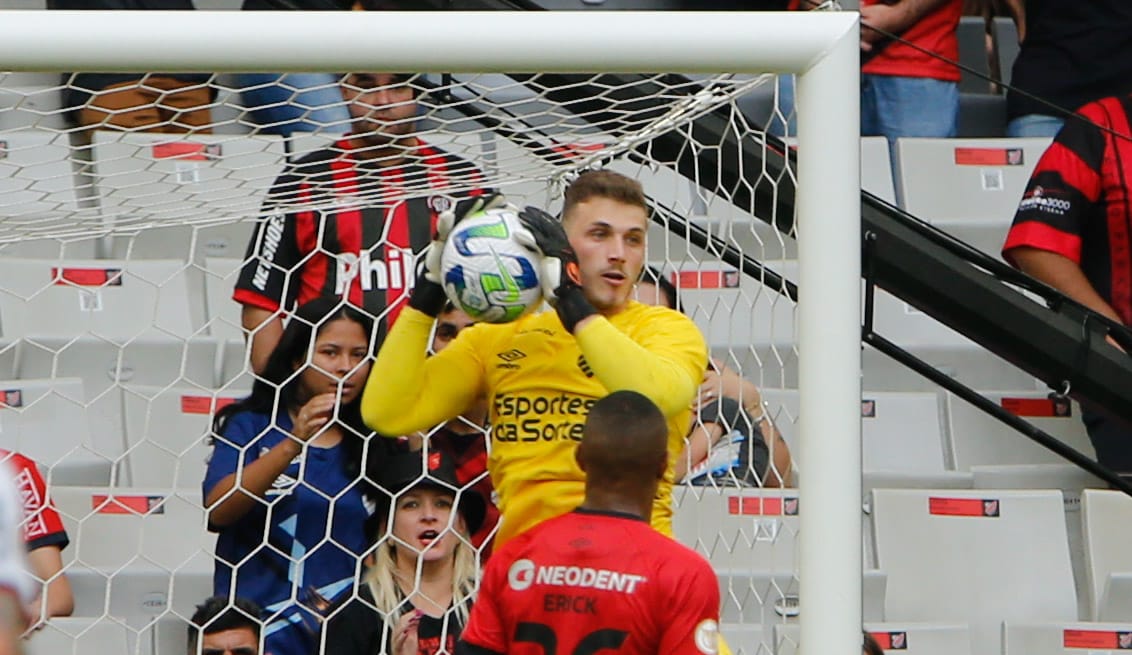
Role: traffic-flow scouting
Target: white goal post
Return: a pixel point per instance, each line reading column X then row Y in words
column 820, row 47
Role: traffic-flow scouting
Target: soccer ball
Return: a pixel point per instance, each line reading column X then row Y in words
column 487, row 272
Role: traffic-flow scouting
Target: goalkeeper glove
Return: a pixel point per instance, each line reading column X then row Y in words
column 560, row 276
column 428, row 292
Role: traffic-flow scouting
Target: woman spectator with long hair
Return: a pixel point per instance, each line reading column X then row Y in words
column 284, row 488
column 415, row 597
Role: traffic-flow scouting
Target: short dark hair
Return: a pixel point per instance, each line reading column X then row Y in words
column 624, row 436
column 604, row 184
column 218, row 614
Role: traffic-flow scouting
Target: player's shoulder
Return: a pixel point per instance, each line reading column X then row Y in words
column 521, row 545
column 638, row 317
column 310, row 169
column 450, row 159
column 673, row 557
column 315, row 162
column 639, row 312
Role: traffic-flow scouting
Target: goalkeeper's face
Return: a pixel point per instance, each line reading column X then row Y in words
column 609, row 238
column 383, row 108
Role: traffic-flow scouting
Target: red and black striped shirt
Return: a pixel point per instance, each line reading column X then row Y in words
column 337, row 224
column 1076, row 203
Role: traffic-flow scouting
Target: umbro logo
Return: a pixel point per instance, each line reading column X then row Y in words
column 582, row 364
column 511, row 355
column 509, row 358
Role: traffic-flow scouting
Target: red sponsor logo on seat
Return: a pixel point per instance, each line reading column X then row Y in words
column 759, row 506
column 140, row 505
column 203, row 404
column 87, row 277
column 983, row 507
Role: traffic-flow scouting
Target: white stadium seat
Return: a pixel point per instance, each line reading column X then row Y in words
column 909, row 638
column 976, row 438
column 979, row 557
column 114, row 527
column 742, row 529
column 1107, row 532
column 81, row 636
column 949, row 181
column 104, row 365
column 82, row 448
column 223, row 313
column 167, row 434
column 209, row 178
column 1066, row 638
column 111, row 299
column 969, row 188
column 901, row 431
column 36, row 177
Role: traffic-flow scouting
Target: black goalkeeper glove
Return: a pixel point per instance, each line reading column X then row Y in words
column 560, row 277
column 428, row 291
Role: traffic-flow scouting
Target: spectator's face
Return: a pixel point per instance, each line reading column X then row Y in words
column 609, row 239
column 383, row 111
column 650, row 294
column 420, row 522
column 340, row 357
column 239, row 641
column 448, row 325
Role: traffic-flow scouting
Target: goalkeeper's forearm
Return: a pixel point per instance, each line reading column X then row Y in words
column 621, row 363
column 405, row 391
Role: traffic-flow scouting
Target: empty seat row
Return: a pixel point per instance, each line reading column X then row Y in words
column 130, row 435
column 971, row 558
column 929, row 433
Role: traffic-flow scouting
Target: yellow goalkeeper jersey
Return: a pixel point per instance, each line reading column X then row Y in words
column 540, row 382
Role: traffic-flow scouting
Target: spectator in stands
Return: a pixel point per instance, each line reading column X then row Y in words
column 225, row 628
column 283, row 486
column 418, row 590
column 726, row 405
column 465, row 437
column 16, row 588
column 151, row 102
column 909, row 87
column 1072, row 53
column 1071, row 232
column 542, row 372
column 45, row 539
column 906, row 92
column 347, row 220
column 285, row 103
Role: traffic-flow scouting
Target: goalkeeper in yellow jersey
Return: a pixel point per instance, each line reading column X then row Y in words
column 543, row 372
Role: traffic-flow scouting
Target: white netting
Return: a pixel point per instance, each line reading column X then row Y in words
column 119, row 251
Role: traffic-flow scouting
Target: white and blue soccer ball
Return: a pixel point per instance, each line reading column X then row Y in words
column 489, row 273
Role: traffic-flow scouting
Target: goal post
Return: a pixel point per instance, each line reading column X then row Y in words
column 821, row 48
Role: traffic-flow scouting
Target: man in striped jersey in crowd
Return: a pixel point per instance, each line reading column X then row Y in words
column 348, row 220
column 1073, row 231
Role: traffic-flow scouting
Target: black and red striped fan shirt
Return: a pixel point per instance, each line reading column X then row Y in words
column 1076, row 203
column 337, row 224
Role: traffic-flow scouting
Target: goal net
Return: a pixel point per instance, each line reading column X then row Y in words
column 126, row 218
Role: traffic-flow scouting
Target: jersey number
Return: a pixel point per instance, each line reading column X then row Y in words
column 543, row 635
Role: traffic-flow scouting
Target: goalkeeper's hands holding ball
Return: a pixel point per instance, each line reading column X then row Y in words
column 428, row 293
column 560, row 276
